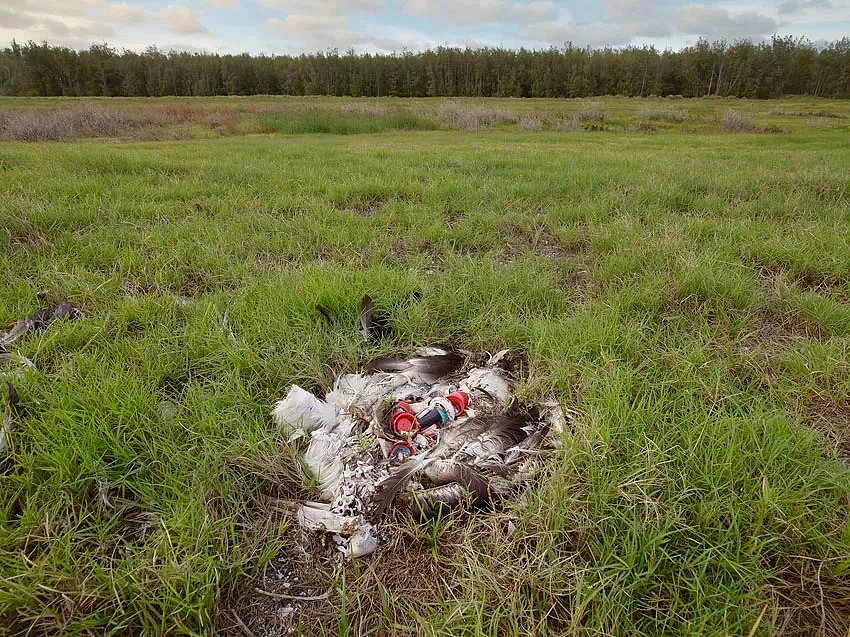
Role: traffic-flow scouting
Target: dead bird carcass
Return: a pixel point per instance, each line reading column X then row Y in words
column 441, row 429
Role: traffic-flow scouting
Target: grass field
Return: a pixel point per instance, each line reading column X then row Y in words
column 682, row 286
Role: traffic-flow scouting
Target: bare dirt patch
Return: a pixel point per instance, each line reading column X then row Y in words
column 453, row 216
column 774, row 332
column 315, row 591
column 810, row 602
column 520, row 239
column 363, row 205
column 776, row 275
column 831, row 419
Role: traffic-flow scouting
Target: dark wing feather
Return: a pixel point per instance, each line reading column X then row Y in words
column 430, row 503
column 326, row 313
column 484, row 436
column 392, row 486
column 375, row 325
column 443, row 472
column 425, row 368
column 458, row 485
column 476, row 440
column 12, row 395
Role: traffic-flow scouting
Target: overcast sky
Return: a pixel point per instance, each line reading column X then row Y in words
column 295, row 26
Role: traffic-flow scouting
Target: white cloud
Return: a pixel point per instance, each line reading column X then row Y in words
column 13, row 19
column 795, row 6
column 64, row 8
column 124, row 14
column 225, row 4
column 716, row 22
column 324, row 7
column 644, row 22
column 182, row 20
column 61, row 23
column 298, row 26
column 303, row 32
column 477, row 12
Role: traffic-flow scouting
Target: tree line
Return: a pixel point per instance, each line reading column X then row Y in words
column 783, row 66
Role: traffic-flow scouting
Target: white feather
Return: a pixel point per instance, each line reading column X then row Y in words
column 497, row 357
column 490, row 381
column 302, row 410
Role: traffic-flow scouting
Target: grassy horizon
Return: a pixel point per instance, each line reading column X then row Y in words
column 683, row 288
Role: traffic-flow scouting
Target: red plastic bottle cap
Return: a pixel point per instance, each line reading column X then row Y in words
column 405, row 423
column 400, row 407
column 460, row 399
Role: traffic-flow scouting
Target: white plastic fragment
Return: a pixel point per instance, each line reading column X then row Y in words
column 430, row 351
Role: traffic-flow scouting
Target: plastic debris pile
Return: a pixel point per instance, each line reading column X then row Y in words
column 440, row 430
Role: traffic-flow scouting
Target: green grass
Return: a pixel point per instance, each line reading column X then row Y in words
column 331, row 123
column 685, row 290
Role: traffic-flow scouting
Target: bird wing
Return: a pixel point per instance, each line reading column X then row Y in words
column 485, row 436
column 426, row 369
column 460, row 447
column 390, row 487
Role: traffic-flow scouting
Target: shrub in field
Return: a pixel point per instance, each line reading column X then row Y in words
column 643, row 126
column 568, row 125
column 734, row 122
column 531, row 124
column 661, row 115
column 36, row 124
column 591, row 113
column 470, row 119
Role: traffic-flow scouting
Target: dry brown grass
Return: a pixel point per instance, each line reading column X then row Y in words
column 472, row 119
column 810, row 602
column 591, row 113
column 660, row 115
column 567, row 125
column 358, row 108
column 824, row 113
column 88, row 120
column 531, row 124
column 734, row 122
column 831, row 419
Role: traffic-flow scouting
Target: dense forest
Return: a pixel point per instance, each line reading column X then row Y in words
column 783, row 66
